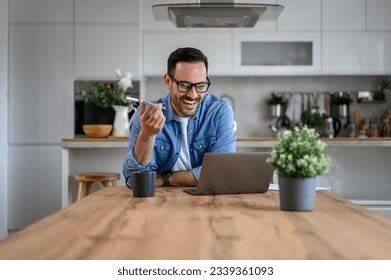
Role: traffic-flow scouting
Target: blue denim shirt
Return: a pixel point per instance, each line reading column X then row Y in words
column 211, row 129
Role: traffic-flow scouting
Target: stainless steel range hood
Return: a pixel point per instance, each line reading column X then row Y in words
column 214, row 13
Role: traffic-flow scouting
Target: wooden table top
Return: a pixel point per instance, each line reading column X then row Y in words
column 111, row 224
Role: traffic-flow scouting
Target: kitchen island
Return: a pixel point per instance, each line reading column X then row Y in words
column 360, row 168
column 111, row 224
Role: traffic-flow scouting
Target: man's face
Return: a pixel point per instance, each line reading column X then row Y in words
column 185, row 104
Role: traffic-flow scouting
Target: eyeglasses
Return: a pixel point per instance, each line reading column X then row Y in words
column 185, row 86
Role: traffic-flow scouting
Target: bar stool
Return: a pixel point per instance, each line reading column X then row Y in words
column 86, row 179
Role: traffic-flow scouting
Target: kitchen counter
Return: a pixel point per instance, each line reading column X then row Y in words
column 247, row 142
column 111, row 224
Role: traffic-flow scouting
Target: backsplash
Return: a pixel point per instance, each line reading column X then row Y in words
column 250, row 95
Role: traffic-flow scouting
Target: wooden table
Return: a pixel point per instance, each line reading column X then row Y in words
column 111, row 224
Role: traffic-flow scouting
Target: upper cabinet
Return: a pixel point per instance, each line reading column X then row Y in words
column 344, row 15
column 101, row 49
column 103, row 11
column 379, row 15
column 40, row 83
column 300, row 15
column 358, row 53
column 215, row 45
column 41, row 11
column 276, row 53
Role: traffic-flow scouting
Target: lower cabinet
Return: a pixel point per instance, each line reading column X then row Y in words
column 34, row 183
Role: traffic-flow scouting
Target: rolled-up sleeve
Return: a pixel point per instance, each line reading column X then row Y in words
column 131, row 164
column 225, row 135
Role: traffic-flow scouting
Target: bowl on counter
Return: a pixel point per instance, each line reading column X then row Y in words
column 97, row 130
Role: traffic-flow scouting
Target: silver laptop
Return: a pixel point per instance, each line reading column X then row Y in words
column 233, row 173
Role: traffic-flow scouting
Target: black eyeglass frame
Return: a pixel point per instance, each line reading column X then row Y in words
column 192, row 85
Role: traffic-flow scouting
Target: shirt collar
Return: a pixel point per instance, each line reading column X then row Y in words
column 170, row 113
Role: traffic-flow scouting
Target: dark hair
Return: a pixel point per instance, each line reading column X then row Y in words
column 185, row 55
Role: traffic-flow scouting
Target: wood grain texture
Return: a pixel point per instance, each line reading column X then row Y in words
column 111, row 224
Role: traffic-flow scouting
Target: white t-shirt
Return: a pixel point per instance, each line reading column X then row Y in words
column 183, row 162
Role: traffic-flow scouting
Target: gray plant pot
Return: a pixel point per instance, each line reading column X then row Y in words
column 275, row 110
column 297, row 194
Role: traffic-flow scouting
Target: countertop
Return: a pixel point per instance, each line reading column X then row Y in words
column 242, row 142
column 111, row 224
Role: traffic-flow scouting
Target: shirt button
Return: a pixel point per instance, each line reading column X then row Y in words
column 200, row 146
column 162, row 147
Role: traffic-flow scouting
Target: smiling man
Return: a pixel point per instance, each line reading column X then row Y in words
column 173, row 141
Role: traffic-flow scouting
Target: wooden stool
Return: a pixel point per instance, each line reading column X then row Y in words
column 85, row 181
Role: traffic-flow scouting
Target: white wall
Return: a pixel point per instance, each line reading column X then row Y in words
column 3, row 115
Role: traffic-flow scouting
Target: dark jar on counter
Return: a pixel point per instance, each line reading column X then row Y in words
column 351, row 130
column 374, row 130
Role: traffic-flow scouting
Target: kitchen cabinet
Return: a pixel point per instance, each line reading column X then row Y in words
column 276, row 53
column 356, row 53
column 41, row 11
column 3, row 117
column 40, row 83
column 34, row 171
column 344, row 15
column 101, row 49
column 215, row 45
column 103, row 11
column 378, row 15
column 300, row 15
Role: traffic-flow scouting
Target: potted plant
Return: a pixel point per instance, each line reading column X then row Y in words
column 276, row 104
column 342, row 100
column 298, row 157
column 312, row 119
column 384, row 86
column 109, row 96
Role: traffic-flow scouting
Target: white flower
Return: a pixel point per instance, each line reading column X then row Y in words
column 124, row 82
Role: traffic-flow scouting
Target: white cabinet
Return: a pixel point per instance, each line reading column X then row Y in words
column 3, row 117
column 41, row 11
column 344, row 15
column 215, row 45
column 101, row 49
column 260, row 53
column 379, row 15
column 103, row 11
column 300, row 15
column 34, row 184
column 40, row 83
column 357, row 53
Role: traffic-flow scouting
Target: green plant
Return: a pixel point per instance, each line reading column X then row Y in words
column 383, row 84
column 299, row 153
column 108, row 94
column 313, row 120
column 343, row 99
column 276, row 99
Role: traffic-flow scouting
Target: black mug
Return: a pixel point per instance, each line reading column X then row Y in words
column 143, row 183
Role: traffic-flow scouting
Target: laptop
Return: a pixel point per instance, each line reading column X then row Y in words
column 233, row 173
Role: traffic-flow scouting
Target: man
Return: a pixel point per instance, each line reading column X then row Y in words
column 173, row 140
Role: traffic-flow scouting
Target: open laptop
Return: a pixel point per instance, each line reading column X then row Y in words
column 233, row 173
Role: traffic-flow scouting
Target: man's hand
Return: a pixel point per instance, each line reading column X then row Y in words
column 151, row 119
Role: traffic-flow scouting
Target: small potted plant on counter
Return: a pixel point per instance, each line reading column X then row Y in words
column 298, row 157
column 342, row 100
column 107, row 96
column 277, row 104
